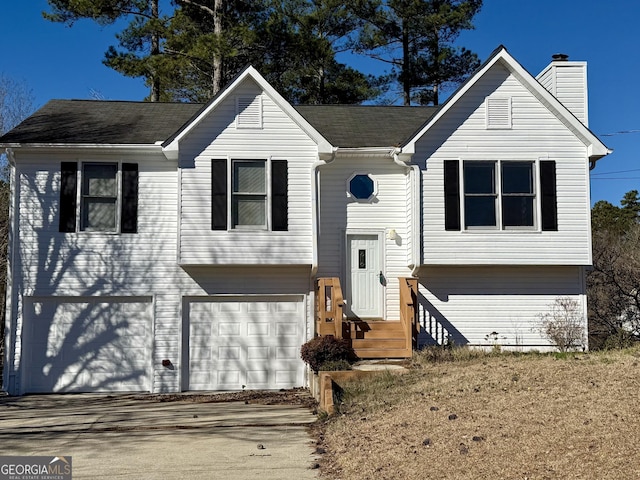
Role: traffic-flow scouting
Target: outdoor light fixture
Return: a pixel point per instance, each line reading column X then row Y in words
column 392, row 234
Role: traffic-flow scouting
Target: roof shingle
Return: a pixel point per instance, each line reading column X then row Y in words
column 144, row 123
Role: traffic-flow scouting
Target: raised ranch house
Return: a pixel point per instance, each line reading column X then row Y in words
column 167, row 247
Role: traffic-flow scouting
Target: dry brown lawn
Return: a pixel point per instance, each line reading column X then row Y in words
column 492, row 417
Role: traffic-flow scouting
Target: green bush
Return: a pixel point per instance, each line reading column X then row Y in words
column 320, row 350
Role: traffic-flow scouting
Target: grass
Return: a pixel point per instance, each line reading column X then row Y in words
column 474, row 415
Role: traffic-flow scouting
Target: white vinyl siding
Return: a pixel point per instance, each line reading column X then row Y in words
column 75, row 265
column 279, row 139
column 389, row 209
column 567, row 81
column 467, row 304
column 48, row 262
column 536, row 135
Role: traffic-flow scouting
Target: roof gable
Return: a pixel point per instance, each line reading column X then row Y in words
column 171, row 145
column 595, row 147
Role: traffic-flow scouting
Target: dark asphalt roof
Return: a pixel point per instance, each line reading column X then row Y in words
column 102, row 122
column 351, row 126
column 115, row 122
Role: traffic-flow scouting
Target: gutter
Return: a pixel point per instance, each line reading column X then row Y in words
column 133, row 148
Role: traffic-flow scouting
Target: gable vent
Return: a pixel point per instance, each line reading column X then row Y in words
column 249, row 112
column 498, row 112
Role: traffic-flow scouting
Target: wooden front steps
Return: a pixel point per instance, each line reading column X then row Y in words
column 377, row 339
column 373, row 338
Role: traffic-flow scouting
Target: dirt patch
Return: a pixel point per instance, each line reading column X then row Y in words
column 526, row 417
column 260, row 397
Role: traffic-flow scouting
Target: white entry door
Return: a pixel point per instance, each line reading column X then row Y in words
column 364, row 285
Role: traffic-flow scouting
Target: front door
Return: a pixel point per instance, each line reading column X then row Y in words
column 364, row 276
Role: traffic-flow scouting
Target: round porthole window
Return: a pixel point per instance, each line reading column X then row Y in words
column 361, row 186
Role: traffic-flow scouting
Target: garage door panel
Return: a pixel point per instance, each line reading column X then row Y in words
column 85, row 345
column 254, row 343
column 258, row 329
column 229, row 329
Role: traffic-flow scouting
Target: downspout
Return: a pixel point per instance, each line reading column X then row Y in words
column 9, row 379
column 415, row 210
column 315, row 215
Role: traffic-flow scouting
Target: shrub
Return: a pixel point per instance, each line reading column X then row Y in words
column 320, row 350
column 563, row 324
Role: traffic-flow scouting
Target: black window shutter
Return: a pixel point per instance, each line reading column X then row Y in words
column 68, row 192
column 451, row 195
column 279, row 204
column 548, row 195
column 129, row 204
column 218, row 194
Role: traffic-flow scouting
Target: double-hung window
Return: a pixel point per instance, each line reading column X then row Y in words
column 518, row 194
column 249, row 195
column 501, row 195
column 103, row 196
column 480, row 194
column 253, row 197
column 99, row 197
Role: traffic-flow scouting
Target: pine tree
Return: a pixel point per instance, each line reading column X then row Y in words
column 416, row 39
column 144, row 33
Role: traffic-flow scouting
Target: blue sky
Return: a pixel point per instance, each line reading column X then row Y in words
column 61, row 62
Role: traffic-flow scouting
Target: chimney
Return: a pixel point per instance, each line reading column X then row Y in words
column 567, row 81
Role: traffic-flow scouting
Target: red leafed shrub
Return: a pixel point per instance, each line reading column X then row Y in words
column 321, row 350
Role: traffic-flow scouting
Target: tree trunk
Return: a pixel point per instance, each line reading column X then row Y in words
column 155, row 50
column 435, row 55
column 406, row 64
column 217, row 57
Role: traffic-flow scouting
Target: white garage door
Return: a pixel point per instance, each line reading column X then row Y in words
column 86, row 344
column 237, row 343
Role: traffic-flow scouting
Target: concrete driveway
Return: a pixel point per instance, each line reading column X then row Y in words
column 139, row 437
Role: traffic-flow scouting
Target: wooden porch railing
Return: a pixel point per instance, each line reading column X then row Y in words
column 409, row 311
column 329, row 303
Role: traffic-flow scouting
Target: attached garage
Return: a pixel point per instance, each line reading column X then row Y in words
column 89, row 344
column 243, row 342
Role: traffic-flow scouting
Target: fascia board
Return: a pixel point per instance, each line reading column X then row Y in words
column 62, row 147
column 250, row 72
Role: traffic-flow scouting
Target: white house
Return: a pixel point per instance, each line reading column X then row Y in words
column 167, row 247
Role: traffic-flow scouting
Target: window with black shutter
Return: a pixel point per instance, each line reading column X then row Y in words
column 104, row 197
column 246, row 205
column 500, row 195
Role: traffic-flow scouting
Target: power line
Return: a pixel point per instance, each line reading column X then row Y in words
column 621, row 132
column 617, row 178
column 619, row 171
